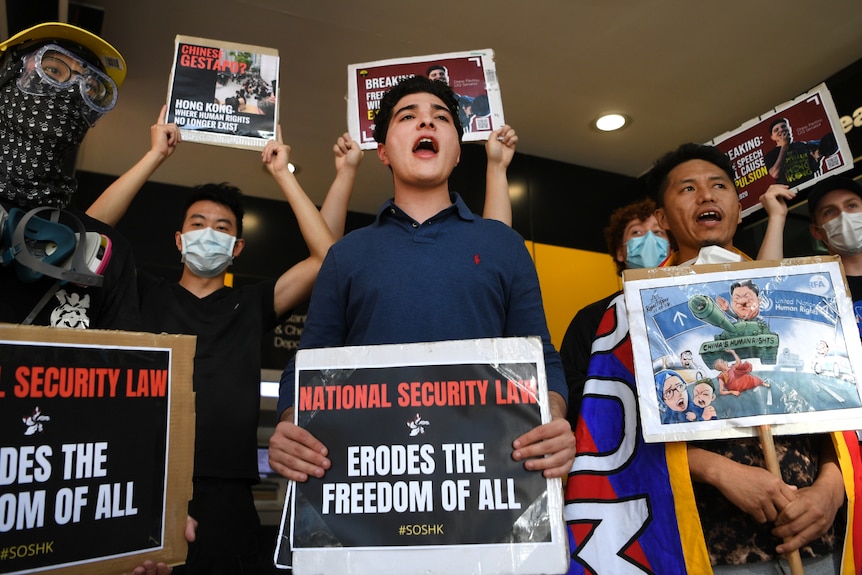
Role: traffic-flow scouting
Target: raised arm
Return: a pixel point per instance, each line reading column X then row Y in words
column 776, row 170
column 734, row 354
column 500, row 148
column 347, row 159
column 774, row 201
column 295, row 284
column 112, row 204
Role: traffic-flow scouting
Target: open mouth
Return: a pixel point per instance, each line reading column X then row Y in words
column 710, row 216
column 426, row 144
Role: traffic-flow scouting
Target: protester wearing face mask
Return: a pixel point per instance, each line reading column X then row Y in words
column 206, row 252
column 635, row 240
column 56, row 81
column 835, row 206
column 223, row 525
column 228, row 323
column 646, row 246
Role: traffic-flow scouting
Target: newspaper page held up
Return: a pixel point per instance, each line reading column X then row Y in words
column 472, row 76
column 796, row 144
column 224, row 93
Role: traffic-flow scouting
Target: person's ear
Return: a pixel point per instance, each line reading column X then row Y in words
column 817, row 233
column 238, row 246
column 661, row 219
column 381, row 153
column 178, row 238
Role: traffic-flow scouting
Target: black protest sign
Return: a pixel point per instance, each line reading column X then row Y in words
column 422, row 455
column 84, row 456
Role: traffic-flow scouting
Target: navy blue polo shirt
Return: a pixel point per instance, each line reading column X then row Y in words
column 454, row 276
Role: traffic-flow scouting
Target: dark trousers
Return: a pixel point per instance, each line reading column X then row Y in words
column 226, row 540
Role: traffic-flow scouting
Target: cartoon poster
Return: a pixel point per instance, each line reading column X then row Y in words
column 422, row 477
column 471, row 75
column 721, row 349
column 796, row 144
column 92, row 479
column 224, row 93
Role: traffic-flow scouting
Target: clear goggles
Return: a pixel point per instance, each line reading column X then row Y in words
column 54, row 68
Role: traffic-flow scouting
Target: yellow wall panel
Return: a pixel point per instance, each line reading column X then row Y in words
column 571, row 279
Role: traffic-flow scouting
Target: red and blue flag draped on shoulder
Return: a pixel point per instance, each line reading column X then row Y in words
column 629, row 505
column 620, row 499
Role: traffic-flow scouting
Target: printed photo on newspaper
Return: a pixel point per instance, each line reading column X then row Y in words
column 422, row 476
column 721, row 349
column 471, row 75
column 224, row 93
column 796, row 144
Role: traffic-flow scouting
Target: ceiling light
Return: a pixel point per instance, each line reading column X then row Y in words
column 611, row 122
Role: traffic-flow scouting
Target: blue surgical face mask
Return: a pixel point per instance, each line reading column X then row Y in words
column 646, row 251
column 207, row 252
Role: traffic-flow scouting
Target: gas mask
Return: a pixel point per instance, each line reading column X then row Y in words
column 37, row 246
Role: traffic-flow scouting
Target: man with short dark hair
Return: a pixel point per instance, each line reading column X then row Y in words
column 228, row 323
column 223, row 526
column 438, row 72
column 686, row 358
column 477, row 279
column 748, row 515
column 791, row 162
column 744, row 301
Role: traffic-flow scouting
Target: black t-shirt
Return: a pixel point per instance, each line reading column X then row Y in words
column 228, row 324
column 799, row 165
column 111, row 306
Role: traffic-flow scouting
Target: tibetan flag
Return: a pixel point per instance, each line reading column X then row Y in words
column 622, row 494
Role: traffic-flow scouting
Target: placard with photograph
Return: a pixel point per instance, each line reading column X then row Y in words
column 721, row 349
column 796, row 144
column 471, row 75
column 422, row 477
column 224, row 93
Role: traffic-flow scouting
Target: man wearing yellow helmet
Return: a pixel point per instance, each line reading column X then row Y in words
column 56, row 81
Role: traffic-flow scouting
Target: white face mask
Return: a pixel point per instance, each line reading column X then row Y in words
column 844, row 233
column 207, row 252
